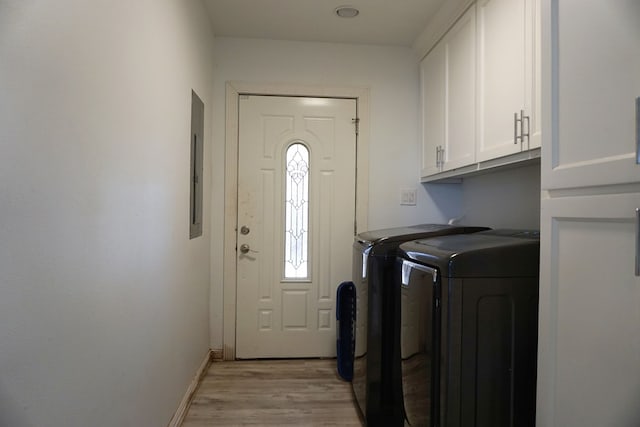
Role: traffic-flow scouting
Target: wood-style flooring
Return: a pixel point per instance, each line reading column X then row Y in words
column 273, row 393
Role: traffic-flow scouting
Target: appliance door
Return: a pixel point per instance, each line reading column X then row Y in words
column 361, row 250
column 420, row 343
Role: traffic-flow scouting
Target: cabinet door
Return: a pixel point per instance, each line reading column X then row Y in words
column 432, row 82
column 589, row 345
column 533, row 75
column 594, row 63
column 505, row 65
column 448, row 99
column 460, row 60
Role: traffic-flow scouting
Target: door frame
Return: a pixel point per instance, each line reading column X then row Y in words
column 233, row 90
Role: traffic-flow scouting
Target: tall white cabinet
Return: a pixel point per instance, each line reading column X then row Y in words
column 589, row 335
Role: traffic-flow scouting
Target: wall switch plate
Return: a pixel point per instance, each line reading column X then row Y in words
column 408, row 196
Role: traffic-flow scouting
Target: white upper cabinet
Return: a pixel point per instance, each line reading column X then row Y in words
column 460, row 51
column 448, row 98
column 507, row 78
column 597, row 70
column 432, row 76
column 481, row 91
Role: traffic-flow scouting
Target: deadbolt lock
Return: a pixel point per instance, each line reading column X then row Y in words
column 244, row 230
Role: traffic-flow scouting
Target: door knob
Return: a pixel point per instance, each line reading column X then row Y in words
column 244, row 248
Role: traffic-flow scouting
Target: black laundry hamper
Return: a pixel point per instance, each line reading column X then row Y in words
column 345, row 329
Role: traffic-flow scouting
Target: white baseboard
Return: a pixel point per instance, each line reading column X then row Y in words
column 217, row 355
column 181, row 412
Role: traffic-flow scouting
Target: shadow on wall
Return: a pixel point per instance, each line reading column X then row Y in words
column 446, row 199
column 500, row 199
column 503, row 199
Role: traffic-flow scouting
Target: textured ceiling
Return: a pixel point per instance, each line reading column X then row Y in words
column 387, row 22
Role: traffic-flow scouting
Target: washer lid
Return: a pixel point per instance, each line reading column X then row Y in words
column 413, row 232
column 495, row 253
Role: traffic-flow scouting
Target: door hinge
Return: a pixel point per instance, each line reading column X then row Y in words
column 356, row 122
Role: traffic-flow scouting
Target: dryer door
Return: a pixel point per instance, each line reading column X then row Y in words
column 420, row 343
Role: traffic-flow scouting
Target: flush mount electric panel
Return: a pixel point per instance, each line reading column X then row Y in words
column 195, row 178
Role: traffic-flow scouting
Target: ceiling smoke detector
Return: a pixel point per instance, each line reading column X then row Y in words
column 347, row 12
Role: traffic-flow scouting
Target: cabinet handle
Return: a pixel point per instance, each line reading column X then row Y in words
column 638, row 130
column 516, row 120
column 637, row 243
column 522, row 133
column 439, row 156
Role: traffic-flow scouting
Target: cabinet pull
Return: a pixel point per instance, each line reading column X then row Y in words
column 637, row 242
column 522, row 132
column 439, row 157
column 638, row 130
column 517, row 120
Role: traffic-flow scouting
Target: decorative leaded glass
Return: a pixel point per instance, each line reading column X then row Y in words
column 296, row 246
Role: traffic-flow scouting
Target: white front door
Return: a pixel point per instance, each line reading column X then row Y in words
column 295, row 227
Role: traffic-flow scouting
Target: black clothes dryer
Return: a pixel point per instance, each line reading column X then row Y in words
column 376, row 381
column 468, row 333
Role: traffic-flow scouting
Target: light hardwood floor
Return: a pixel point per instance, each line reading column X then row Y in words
column 273, row 392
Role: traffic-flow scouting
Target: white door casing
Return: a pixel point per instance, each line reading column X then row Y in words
column 280, row 316
column 233, row 90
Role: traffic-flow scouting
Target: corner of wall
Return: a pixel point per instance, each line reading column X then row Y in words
column 439, row 24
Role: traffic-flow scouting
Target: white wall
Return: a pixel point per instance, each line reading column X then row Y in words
column 503, row 199
column 391, row 74
column 103, row 298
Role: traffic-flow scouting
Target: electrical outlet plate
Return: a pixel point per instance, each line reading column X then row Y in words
column 408, row 196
